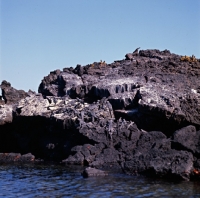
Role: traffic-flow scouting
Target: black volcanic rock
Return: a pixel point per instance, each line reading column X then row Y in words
column 59, row 83
column 16, row 157
column 187, row 138
column 91, row 172
column 141, row 115
column 10, row 94
column 156, row 89
column 170, row 164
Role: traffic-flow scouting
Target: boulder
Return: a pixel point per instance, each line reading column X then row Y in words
column 93, row 172
column 129, row 56
column 169, row 164
column 187, row 138
column 10, row 94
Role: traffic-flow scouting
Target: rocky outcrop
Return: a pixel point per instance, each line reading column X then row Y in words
column 79, row 133
column 16, row 157
column 155, row 156
column 10, row 94
column 140, row 115
column 156, row 89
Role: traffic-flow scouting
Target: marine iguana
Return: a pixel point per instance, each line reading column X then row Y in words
column 135, row 53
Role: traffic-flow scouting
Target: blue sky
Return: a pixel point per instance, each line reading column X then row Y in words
column 38, row 36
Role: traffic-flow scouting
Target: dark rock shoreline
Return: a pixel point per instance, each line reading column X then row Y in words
column 140, row 115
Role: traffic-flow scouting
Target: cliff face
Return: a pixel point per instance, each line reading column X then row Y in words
column 140, row 114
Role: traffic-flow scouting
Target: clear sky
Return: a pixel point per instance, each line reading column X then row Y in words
column 39, row 36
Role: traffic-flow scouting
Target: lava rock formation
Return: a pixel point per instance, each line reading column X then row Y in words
column 140, row 115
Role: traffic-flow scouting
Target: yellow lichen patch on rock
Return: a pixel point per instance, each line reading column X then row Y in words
column 103, row 63
column 189, row 58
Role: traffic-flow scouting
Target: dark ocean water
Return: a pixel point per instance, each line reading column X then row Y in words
column 60, row 181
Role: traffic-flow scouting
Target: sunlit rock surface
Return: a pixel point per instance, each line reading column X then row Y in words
column 155, row 88
column 140, row 115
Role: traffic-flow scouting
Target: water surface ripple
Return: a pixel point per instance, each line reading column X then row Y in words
column 60, row 181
